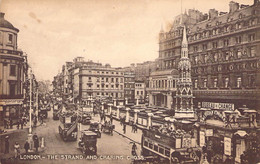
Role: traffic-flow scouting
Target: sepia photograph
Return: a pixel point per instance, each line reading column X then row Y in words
column 129, row 81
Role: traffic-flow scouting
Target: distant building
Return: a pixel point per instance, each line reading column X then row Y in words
column 81, row 80
column 162, row 88
column 143, row 70
column 129, row 87
column 140, row 92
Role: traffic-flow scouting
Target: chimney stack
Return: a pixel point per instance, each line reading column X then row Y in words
column 2, row 15
column 213, row 13
column 233, row 6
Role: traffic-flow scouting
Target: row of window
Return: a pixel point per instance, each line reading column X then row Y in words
column 206, row 33
column 219, row 30
column 141, row 92
column 223, row 43
column 158, row 148
column 107, row 86
column 215, row 57
column 225, row 56
column 115, row 95
column 211, row 45
column 162, row 83
column 226, row 82
column 102, row 72
column 108, row 79
column 138, row 85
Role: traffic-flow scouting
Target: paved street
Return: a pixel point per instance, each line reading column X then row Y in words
column 116, row 147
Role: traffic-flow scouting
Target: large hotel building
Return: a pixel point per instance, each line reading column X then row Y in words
column 224, row 53
column 81, row 80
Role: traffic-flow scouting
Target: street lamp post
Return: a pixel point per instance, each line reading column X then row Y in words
column 30, row 113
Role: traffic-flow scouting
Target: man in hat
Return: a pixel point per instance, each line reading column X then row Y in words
column 26, row 146
column 6, row 144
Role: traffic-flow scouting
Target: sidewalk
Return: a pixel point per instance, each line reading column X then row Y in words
column 15, row 135
column 133, row 137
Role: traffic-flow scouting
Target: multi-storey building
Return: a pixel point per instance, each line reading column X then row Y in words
column 162, row 88
column 223, row 48
column 143, row 70
column 12, row 72
column 87, row 79
column 65, row 80
column 140, row 91
column 129, row 87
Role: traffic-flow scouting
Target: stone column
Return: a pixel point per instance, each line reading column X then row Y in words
column 127, row 115
column 114, row 102
column 137, row 101
column 149, row 122
column 102, row 106
column 118, row 113
column 136, row 115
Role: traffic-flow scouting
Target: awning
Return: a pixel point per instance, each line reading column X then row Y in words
column 241, row 133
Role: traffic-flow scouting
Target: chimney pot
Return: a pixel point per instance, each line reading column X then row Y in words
column 2, row 15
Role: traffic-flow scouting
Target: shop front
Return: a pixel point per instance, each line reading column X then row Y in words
column 10, row 110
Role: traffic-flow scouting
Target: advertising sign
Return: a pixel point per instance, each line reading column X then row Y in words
column 212, row 105
column 202, row 139
column 227, row 146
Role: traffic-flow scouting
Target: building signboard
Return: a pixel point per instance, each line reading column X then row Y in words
column 212, row 105
column 209, row 132
column 67, row 120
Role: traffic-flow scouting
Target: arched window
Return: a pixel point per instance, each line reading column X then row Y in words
column 215, row 82
column 239, row 82
column 195, row 83
column 226, row 82
column 205, row 81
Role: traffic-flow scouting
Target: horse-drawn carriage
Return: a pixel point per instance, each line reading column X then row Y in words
column 108, row 128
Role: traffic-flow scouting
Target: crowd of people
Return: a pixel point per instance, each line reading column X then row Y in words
column 17, row 148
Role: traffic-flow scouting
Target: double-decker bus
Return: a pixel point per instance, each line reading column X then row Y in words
column 169, row 146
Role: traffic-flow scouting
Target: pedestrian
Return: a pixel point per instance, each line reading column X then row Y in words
column 21, row 121
column 134, row 147
column 34, row 136
column 104, row 116
column 41, row 119
column 18, row 124
column 124, row 128
column 6, row 144
column 5, row 124
column 35, row 121
column 133, row 126
column 26, row 146
column 36, row 144
column 16, row 149
column 11, row 123
column 111, row 118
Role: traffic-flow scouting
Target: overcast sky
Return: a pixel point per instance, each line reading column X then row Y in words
column 118, row 32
